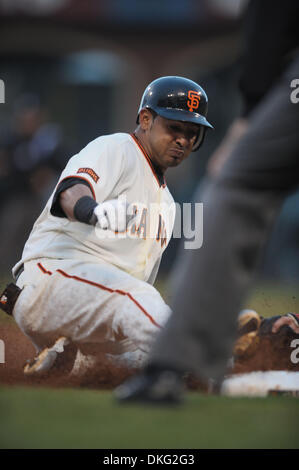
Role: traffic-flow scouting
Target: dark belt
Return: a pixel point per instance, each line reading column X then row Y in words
column 19, row 272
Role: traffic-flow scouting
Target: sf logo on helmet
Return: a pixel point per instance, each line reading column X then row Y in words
column 194, row 99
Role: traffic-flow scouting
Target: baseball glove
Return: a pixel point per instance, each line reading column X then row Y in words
column 266, row 343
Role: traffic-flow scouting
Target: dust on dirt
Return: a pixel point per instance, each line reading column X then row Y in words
column 18, row 348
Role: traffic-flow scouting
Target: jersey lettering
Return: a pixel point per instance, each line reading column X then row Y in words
column 134, row 228
column 142, row 225
column 161, row 234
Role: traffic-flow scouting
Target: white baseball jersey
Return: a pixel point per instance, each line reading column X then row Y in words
column 113, row 165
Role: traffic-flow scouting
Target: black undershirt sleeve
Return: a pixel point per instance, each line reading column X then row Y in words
column 67, row 183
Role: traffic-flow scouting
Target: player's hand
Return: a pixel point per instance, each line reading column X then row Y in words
column 290, row 319
column 113, row 215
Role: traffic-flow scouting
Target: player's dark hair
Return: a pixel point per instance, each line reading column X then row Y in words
column 154, row 114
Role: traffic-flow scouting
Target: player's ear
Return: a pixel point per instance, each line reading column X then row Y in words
column 145, row 119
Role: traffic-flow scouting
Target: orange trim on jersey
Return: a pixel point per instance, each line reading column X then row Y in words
column 81, row 178
column 44, row 269
column 148, row 160
column 108, row 289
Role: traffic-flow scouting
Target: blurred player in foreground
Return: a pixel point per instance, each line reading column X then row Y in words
column 88, row 267
column 241, row 204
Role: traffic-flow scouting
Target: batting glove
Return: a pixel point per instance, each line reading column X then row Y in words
column 113, row 215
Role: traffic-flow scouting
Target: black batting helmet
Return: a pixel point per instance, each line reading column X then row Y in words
column 178, row 99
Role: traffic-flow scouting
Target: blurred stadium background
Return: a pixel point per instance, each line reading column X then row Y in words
column 76, row 69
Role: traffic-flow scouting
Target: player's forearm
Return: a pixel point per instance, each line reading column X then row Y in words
column 78, row 205
column 69, row 198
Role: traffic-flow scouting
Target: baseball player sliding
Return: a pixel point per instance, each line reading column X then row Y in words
column 88, row 267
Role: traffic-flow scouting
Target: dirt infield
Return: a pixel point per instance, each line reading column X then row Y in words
column 273, row 353
column 18, row 348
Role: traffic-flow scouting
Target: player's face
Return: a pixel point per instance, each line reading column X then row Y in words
column 170, row 142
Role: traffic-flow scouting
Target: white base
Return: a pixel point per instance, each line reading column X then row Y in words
column 258, row 384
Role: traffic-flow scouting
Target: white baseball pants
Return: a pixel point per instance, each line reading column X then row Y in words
column 97, row 306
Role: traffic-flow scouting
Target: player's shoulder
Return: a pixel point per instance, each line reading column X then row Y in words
column 116, row 139
column 106, row 142
column 112, row 152
column 122, row 141
column 119, row 143
column 101, row 148
column 121, row 146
